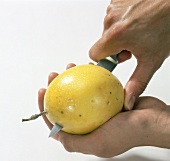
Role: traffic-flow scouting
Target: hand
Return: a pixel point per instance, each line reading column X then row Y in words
column 138, row 27
column 148, row 124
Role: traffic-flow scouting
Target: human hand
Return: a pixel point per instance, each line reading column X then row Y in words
column 148, row 125
column 139, row 27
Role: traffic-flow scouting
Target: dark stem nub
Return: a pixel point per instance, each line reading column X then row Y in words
column 33, row 117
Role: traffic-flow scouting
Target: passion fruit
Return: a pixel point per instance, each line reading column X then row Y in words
column 83, row 98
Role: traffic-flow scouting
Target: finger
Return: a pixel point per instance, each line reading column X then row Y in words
column 54, row 74
column 91, row 63
column 78, row 143
column 137, row 83
column 123, row 56
column 110, row 44
column 51, row 77
column 70, row 65
column 41, row 94
column 101, row 50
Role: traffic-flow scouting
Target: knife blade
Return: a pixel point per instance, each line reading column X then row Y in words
column 56, row 128
column 109, row 63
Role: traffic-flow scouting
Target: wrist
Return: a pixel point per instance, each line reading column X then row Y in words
column 157, row 132
column 165, row 133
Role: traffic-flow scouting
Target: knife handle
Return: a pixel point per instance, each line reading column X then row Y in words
column 109, row 63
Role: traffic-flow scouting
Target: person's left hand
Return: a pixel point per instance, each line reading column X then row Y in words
column 139, row 127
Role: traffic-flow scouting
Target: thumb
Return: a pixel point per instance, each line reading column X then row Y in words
column 137, row 83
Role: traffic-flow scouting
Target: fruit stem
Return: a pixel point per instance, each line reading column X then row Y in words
column 33, row 117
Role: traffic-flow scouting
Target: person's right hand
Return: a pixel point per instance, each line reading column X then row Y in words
column 142, row 28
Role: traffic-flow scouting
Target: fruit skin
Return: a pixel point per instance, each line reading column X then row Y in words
column 82, row 98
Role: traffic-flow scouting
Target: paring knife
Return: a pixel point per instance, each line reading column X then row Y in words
column 108, row 63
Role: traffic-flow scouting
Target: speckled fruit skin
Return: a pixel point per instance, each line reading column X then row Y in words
column 82, row 98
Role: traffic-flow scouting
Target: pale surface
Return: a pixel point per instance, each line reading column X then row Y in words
column 37, row 37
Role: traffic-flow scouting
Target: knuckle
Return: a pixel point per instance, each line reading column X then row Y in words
column 138, row 86
column 103, row 152
column 109, row 8
column 68, row 145
column 101, row 148
column 114, row 32
column 108, row 20
column 141, row 86
column 68, row 148
column 100, row 152
column 120, row 29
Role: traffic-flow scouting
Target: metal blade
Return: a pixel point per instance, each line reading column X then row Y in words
column 109, row 63
column 56, row 128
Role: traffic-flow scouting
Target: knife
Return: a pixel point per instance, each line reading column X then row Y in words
column 109, row 63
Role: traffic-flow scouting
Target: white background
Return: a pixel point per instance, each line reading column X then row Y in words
column 36, row 38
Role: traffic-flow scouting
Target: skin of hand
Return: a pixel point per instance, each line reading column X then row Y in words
column 140, row 27
column 147, row 125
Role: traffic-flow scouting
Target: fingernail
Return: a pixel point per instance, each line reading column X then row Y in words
column 56, row 136
column 131, row 102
